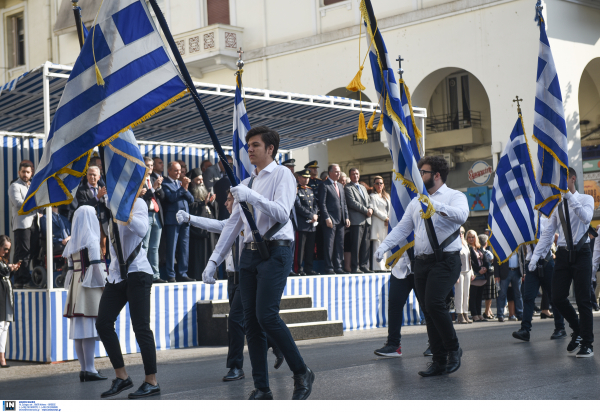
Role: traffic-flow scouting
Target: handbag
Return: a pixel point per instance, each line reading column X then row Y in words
column 479, row 280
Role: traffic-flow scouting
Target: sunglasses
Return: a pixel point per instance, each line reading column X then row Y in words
column 462, row 233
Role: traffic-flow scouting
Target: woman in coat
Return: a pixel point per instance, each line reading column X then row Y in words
column 380, row 219
column 479, row 266
column 7, row 305
column 84, row 282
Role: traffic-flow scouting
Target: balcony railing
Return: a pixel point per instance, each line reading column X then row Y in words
column 455, row 121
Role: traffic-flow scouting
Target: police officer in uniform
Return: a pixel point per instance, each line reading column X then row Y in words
column 314, row 183
column 307, row 212
column 290, row 164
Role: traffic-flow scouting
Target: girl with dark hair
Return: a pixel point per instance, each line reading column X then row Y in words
column 7, row 305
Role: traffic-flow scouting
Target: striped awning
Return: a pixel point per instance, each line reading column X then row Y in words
column 301, row 120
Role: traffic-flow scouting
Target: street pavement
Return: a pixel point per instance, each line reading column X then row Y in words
column 494, row 366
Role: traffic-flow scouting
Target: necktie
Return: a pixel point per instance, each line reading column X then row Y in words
column 94, row 192
column 154, row 204
column 360, row 191
column 337, row 190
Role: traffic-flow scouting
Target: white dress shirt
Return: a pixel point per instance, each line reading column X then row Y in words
column 445, row 200
column 131, row 235
column 273, row 196
column 581, row 210
column 402, row 268
column 544, row 221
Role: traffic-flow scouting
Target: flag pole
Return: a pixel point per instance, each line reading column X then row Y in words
column 78, row 23
column 264, row 251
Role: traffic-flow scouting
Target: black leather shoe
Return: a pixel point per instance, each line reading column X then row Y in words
column 159, row 280
column 234, row 374
column 330, row 272
column 118, row 386
column 185, row 279
column 258, row 395
column 433, row 369
column 521, row 334
column 313, row 273
column 428, row 351
column 4, row 366
column 171, row 280
column 544, row 316
column 500, row 318
column 81, row 376
column 341, row 272
column 366, row 270
column 558, row 334
column 145, row 391
column 90, row 376
column 303, row 385
column 279, row 355
column 292, row 273
column 454, row 360
column 356, row 271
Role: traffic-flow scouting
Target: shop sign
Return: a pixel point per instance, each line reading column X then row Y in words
column 480, row 172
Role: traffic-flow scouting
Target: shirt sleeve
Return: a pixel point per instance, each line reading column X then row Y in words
column 280, row 207
column 212, row 225
column 402, row 229
column 456, row 210
column 547, row 237
column 583, row 207
column 139, row 222
column 230, row 232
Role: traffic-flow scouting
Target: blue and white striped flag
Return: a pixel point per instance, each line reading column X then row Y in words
column 412, row 130
column 549, row 126
column 127, row 54
column 408, row 182
column 241, row 162
column 512, row 217
column 125, row 175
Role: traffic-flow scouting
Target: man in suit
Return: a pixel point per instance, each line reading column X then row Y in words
column 61, row 230
column 159, row 167
column 153, row 194
column 21, row 225
column 220, row 189
column 307, row 212
column 177, row 197
column 92, row 192
column 360, row 209
column 332, row 204
column 213, row 173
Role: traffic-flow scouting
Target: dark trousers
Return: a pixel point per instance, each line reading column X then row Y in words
column 22, row 252
column 178, row 235
column 580, row 273
column 235, row 326
column 334, row 244
column 261, row 286
column 532, row 286
column 593, row 293
column 306, row 248
column 359, row 247
column 433, row 282
column 136, row 290
column 475, row 297
column 399, row 291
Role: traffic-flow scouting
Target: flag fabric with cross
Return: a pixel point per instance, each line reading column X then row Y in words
column 241, row 162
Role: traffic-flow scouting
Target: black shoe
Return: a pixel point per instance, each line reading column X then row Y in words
column 330, row 272
column 544, row 316
column 390, row 351
column 585, row 351
column 118, row 386
column 341, row 272
column 234, row 374
column 428, row 351
column 313, row 273
column 595, row 306
column 366, row 270
column 279, row 356
column 171, row 280
column 356, row 271
column 145, row 391
column 423, row 322
column 433, row 369
column 574, row 344
column 91, row 376
column 292, row 273
column 500, row 318
column 454, row 360
column 81, row 376
column 301, row 273
column 558, row 334
column 303, row 385
column 7, row 366
column 184, row 279
column 521, row 334
column 258, row 395
column 159, row 280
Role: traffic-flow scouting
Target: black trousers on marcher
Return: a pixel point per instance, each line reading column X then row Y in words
column 306, row 248
column 235, row 326
column 136, row 290
column 359, row 237
column 399, row 291
column 580, row 273
column 433, row 282
column 22, row 252
column 261, row 286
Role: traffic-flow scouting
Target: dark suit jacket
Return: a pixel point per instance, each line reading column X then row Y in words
column 176, row 199
column 330, row 205
column 158, row 195
column 358, row 204
column 220, row 189
column 306, row 207
column 85, row 197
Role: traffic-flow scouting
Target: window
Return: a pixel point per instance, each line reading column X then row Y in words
column 15, row 40
column 460, row 107
column 330, row 2
column 217, row 11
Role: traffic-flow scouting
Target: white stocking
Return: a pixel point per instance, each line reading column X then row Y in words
column 89, row 347
column 80, row 352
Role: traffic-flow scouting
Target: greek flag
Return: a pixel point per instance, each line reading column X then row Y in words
column 122, row 76
column 512, row 217
column 241, row 162
column 125, row 175
column 412, row 130
column 549, row 126
column 408, row 182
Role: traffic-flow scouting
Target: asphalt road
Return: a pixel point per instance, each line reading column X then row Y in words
column 494, row 366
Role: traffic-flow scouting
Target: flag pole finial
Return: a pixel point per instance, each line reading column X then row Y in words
column 538, row 12
column 518, row 101
column 240, row 62
column 400, row 70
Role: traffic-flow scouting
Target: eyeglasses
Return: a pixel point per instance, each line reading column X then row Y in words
column 425, row 171
column 378, row 183
column 462, row 233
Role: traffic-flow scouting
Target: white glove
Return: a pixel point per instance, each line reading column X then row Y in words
column 568, row 195
column 182, row 217
column 380, row 254
column 532, row 266
column 242, row 193
column 208, row 276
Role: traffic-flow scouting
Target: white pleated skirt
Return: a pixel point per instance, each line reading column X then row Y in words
column 83, row 327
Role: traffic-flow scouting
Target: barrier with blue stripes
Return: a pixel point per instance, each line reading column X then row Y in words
column 41, row 334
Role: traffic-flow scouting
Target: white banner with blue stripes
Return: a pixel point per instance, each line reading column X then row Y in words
column 40, row 332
